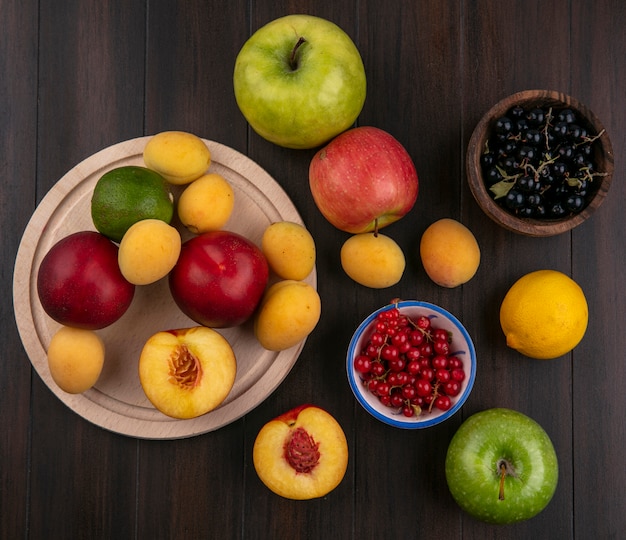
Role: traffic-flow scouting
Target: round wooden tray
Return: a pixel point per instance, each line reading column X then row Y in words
column 117, row 401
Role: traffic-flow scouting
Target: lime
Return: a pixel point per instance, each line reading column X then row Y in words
column 125, row 195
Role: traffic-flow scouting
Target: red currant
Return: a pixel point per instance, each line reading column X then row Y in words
column 383, row 389
column 452, row 388
column 442, row 375
column 407, row 363
column 403, row 377
column 408, row 411
column 458, row 374
column 440, row 361
column 413, row 353
column 377, row 339
column 454, row 362
column 439, row 334
column 396, row 398
column 442, row 402
column 397, row 364
column 423, row 388
column 441, row 347
column 389, row 352
column 362, row 363
column 408, row 391
column 377, row 369
column 416, row 337
column 423, row 322
column 426, row 349
column 427, row 374
column 413, row 367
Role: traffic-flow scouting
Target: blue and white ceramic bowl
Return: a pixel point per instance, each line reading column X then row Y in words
column 461, row 346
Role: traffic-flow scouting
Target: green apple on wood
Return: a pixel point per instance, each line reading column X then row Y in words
column 501, row 466
column 299, row 81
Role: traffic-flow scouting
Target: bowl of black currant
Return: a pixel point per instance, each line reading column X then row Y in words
column 539, row 163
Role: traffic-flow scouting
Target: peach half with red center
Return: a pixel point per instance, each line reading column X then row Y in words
column 301, row 454
column 187, row 372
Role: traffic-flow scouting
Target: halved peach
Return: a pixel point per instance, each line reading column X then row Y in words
column 187, row 372
column 302, row 454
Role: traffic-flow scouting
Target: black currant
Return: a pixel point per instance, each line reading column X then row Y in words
column 516, row 112
column 488, row 159
column 526, row 183
column 559, row 130
column 532, row 137
column 535, row 116
column 526, row 152
column 567, row 116
column 493, row 175
column 503, row 125
column 574, row 203
column 514, row 199
column 557, row 210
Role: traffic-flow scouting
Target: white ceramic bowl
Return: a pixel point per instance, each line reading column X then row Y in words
column 461, row 346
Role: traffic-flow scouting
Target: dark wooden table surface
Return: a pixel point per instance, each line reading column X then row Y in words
column 78, row 76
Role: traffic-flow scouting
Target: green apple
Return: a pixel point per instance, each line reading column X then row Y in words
column 501, row 466
column 299, row 81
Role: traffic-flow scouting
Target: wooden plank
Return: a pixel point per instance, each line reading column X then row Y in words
column 505, row 50
column 191, row 48
column 18, row 147
column 83, row 478
column 319, row 375
column 599, row 79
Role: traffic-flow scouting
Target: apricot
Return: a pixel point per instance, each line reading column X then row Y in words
column 75, row 359
column 450, row 253
column 288, row 313
column 148, row 251
column 289, row 249
column 206, row 204
column 187, row 372
column 302, row 454
column 178, row 156
column 373, row 260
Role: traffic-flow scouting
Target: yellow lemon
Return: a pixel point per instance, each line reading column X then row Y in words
column 544, row 314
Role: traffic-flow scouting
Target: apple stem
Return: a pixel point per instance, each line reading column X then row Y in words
column 376, row 227
column 502, row 477
column 293, row 60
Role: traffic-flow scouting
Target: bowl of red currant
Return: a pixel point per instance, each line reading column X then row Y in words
column 539, row 163
column 411, row 364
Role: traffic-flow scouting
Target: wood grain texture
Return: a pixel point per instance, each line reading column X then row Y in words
column 18, row 146
column 86, row 75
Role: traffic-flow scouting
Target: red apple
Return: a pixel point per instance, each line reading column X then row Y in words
column 363, row 180
column 219, row 279
column 79, row 282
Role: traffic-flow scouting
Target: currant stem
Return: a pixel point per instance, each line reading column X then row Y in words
column 293, row 60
